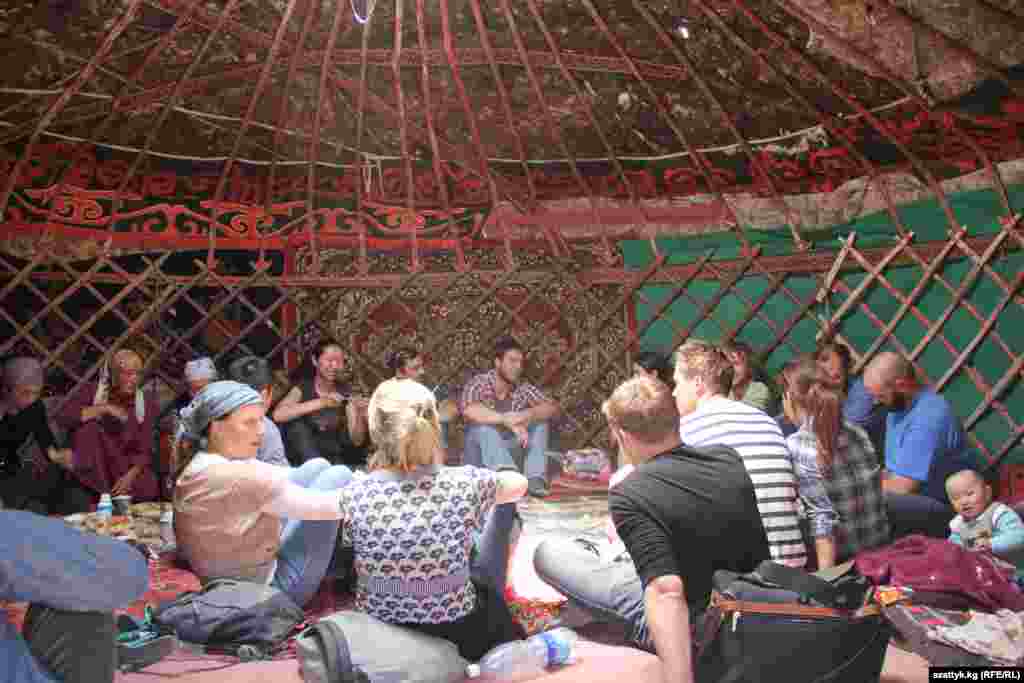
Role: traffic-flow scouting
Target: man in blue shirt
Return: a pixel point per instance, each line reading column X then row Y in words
column 924, row 444
column 74, row 582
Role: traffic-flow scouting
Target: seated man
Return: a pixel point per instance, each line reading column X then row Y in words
column 708, row 418
column 504, row 414
column 198, row 373
column 74, row 582
column 924, row 444
column 111, row 425
column 683, row 513
column 256, row 373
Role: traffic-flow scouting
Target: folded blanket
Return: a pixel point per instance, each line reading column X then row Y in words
column 999, row 636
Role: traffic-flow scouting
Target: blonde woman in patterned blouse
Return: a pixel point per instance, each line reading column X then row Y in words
column 413, row 524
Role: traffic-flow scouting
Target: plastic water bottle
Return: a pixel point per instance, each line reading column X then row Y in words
column 104, row 510
column 522, row 660
column 167, row 529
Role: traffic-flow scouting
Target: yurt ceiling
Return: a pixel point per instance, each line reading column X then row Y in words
column 610, row 118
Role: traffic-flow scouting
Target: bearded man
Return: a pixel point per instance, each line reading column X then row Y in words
column 924, row 443
column 504, row 414
column 111, row 424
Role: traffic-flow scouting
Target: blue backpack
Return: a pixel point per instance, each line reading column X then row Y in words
column 249, row 620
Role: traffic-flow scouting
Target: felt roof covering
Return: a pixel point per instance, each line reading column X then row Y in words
column 451, row 119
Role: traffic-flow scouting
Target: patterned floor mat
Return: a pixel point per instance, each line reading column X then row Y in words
column 566, row 516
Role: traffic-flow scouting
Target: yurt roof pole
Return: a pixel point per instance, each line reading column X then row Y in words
column 792, row 218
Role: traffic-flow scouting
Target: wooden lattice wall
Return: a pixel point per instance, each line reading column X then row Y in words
column 581, row 319
column 953, row 307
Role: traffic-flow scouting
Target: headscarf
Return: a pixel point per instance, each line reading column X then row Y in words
column 22, row 370
column 200, row 368
column 118, row 360
column 216, row 400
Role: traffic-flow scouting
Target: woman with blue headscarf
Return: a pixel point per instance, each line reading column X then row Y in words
column 238, row 518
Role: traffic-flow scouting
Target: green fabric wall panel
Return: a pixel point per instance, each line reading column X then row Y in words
column 978, row 210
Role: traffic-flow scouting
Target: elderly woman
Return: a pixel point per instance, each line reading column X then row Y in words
column 412, row 524
column 230, row 510
column 838, row 474
column 40, row 483
column 111, row 424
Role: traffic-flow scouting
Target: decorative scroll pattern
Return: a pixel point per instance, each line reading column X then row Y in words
column 174, row 203
column 557, row 317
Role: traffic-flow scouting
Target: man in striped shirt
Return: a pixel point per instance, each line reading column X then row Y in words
column 703, row 381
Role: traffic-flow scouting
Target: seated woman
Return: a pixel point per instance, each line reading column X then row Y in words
column 111, row 423
column 318, row 420
column 230, row 510
column 838, row 473
column 412, row 524
column 41, row 484
column 860, row 407
column 654, row 364
column 748, row 385
column 407, row 363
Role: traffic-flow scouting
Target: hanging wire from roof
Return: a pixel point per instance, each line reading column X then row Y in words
column 367, row 10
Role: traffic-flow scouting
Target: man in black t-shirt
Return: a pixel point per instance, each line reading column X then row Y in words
column 683, row 514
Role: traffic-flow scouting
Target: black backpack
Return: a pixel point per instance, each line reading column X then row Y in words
column 783, row 624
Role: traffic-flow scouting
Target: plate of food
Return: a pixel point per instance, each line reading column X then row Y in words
column 149, row 510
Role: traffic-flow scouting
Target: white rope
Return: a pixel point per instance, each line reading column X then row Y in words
column 371, row 166
column 814, row 131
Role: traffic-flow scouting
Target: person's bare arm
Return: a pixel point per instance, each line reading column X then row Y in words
column 668, row 617
column 481, row 414
column 511, row 487
column 93, row 412
column 123, row 486
column 825, row 549
column 292, row 407
column 358, row 427
column 544, row 410
column 894, row 483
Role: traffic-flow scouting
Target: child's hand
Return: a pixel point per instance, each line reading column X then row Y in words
column 983, row 543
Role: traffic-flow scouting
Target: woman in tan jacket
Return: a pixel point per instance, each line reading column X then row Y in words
column 236, row 517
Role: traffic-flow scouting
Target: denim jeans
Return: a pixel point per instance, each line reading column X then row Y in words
column 307, row 546
column 73, row 581
column 609, row 591
column 910, row 513
column 492, row 447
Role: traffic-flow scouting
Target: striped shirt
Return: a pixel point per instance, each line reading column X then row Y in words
column 759, row 441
